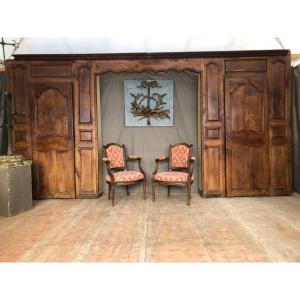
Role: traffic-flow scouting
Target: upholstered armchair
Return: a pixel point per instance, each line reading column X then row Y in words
column 116, row 159
column 180, row 169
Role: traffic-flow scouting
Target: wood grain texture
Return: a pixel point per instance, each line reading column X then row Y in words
column 19, row 87
column 245, row 67
column 53, row 140
column 213, row 159
column 279, row 75
column 246, row 109
column 86, row 135
column 251, row 229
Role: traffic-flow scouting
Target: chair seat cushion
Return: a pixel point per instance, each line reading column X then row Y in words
column 126, row 176
column 172, row 176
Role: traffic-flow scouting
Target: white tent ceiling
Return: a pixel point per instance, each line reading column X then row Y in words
column 145, row 45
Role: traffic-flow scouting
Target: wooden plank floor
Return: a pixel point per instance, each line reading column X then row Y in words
column 210, row 230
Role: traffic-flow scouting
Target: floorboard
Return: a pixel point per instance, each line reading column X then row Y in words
column 264, row 229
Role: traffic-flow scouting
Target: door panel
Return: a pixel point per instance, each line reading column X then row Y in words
column 246, row 136
column 53, row 140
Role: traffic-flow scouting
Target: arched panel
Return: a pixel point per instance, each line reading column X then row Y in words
column 20, row 96
column 246, row 136
column 278, row 91
column 84, row 95
column 52, row 137
column 51, row 114
column 212, row 91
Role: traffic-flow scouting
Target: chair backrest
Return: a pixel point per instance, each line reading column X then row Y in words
column 116, row 154
column 180, row 156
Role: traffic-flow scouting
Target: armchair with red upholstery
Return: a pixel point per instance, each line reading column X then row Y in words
column 116, row 164
column 180, row 169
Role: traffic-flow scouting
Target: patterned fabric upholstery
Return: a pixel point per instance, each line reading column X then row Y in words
column 179, row 156
column 172, row 176
column 116, row 156
column 126, row 176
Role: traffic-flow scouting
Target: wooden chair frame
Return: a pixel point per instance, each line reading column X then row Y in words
column 189, row 169
column 112, row 184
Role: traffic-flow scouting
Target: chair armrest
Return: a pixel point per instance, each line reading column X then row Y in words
column 157, row 160
column 162, row 158
column 109, row 172
column 192, row 160
column 139, row 159
column 134, row 157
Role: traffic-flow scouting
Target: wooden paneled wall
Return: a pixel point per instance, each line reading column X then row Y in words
column 213, row 159
column 85, row 122
column 18, row 74
column 245, row 120
column 279, row 76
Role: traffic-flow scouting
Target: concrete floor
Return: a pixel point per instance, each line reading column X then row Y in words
column 210, row 230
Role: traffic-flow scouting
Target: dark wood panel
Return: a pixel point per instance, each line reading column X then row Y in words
column 86, row 135
column 212, row 91
column 278, row 168
column 86, row 151
column 278, row 90
column 42, row 174
column 84, row 95
column 246, row 136
column 53, row 140
column 87, row 170
column 212, row 161
column 239, row 65
column 19, row 88
column 213, row 133
column 213, row 164
column 280, row 125
column 51, row 71
column 20, row 101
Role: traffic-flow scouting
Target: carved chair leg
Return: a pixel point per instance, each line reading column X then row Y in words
column 144, row 189
column 153, row 190
column 189, row 196
column 169, row 189
column 113, row 188
column 127, row 190
column 109, row 190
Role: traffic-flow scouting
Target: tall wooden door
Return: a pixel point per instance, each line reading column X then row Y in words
column 53, row 140
column 246, row 115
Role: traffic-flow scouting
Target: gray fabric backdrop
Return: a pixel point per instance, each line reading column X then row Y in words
column 150, row 142
column 3, row 130
column 296, row 127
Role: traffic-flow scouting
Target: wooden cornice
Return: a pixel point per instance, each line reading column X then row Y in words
column 157, row 55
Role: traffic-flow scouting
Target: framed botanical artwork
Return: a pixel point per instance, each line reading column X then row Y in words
column 148, row 103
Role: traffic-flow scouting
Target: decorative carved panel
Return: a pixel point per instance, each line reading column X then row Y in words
column 56, row 71
column 52, row 137
column 246, row 65
column 213, row 164
column 246, row 109
column 84, row 95
column 280, row 125
column 18, row 86
column 212, row 92
column 278, row 90
column 86, row 150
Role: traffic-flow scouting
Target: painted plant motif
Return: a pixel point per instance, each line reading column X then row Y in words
column 150, row 104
